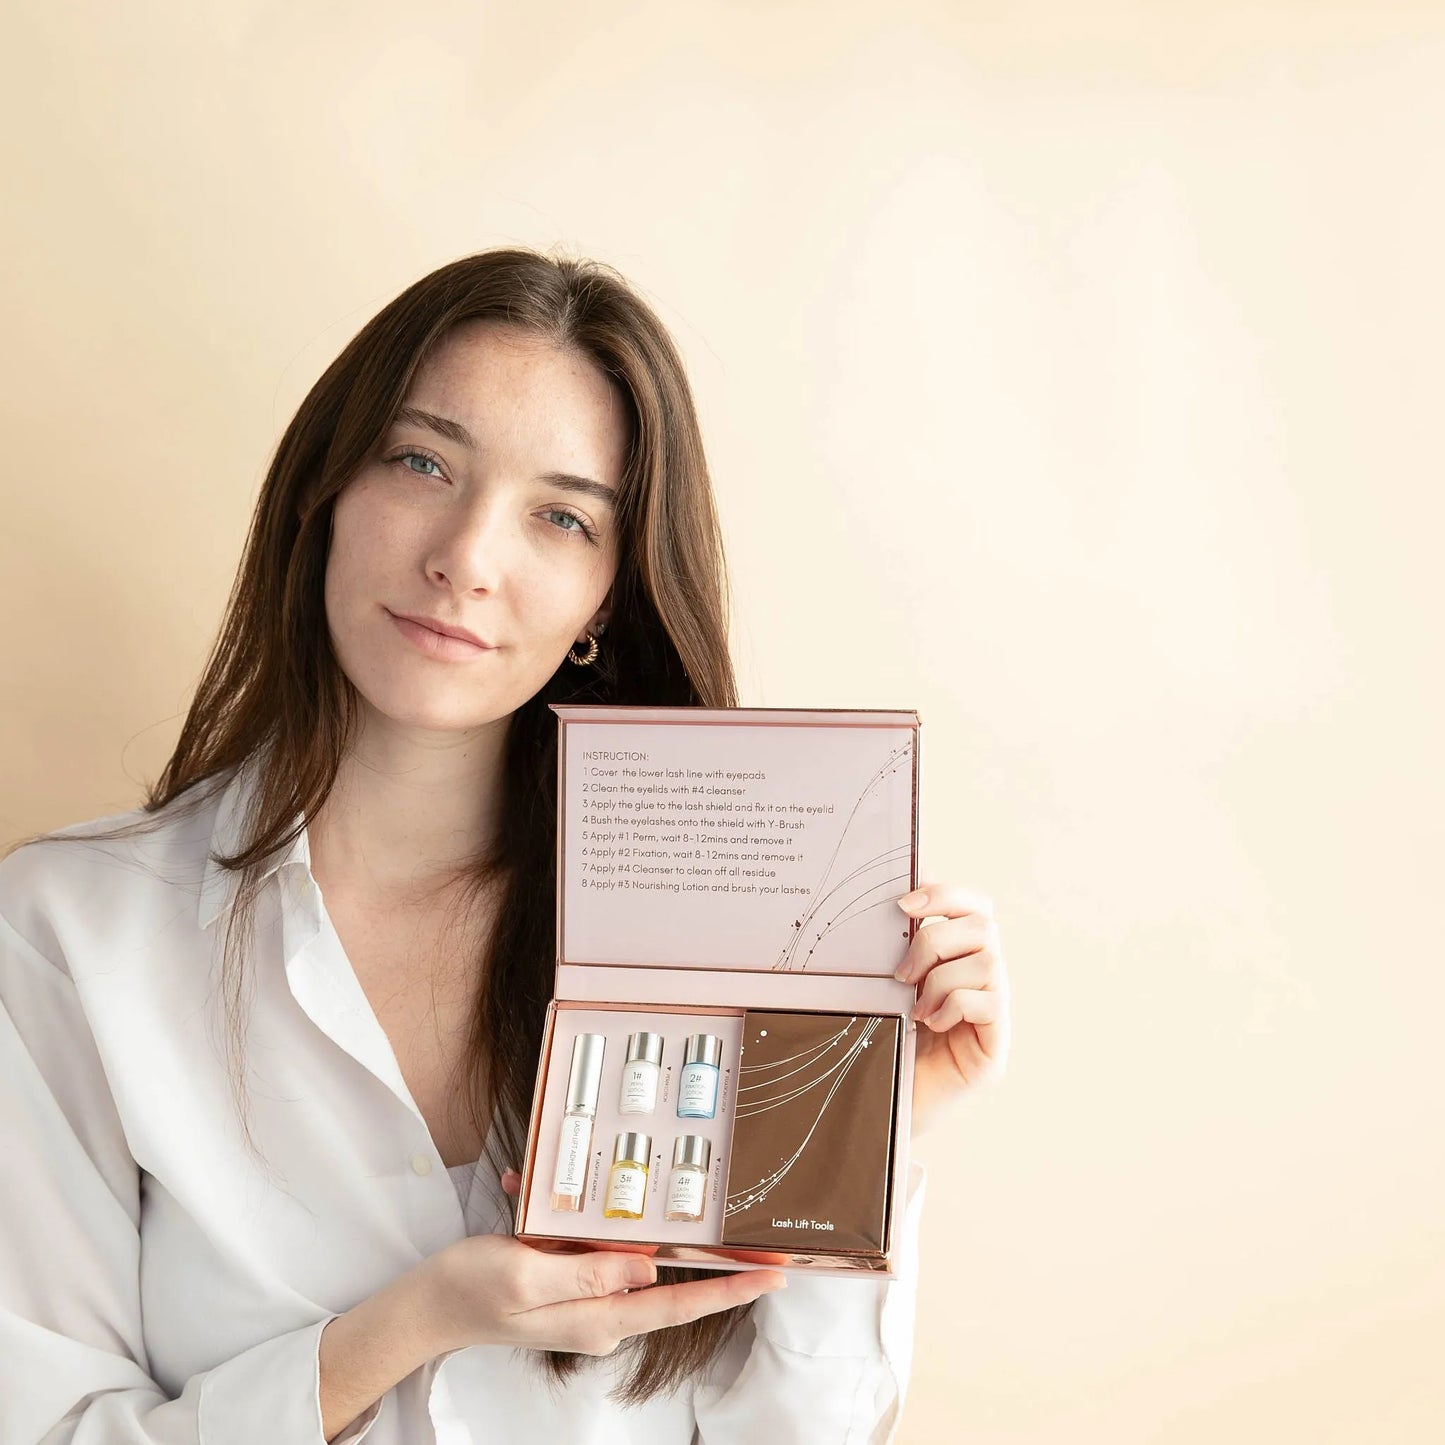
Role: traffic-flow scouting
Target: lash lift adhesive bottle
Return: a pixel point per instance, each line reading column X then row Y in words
column 584, row 1083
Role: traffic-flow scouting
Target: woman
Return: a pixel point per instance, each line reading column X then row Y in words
column 231, row 1109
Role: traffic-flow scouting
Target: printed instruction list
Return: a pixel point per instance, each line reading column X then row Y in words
column 651, row 828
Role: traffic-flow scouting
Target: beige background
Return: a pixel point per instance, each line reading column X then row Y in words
column 1071, row 374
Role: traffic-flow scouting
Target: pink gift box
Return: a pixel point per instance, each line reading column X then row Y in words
column 732, row 873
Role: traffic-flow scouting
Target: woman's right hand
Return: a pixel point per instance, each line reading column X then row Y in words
column 491, row 1289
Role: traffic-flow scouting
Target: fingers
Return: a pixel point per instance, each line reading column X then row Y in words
column 981, row 969
column 945, row 939
column 947, row 899
column 944, row 1004
column 590, row 1276
column 964, row 1005
column 511, row 1182
column 535, row 1279
column 598, row 1326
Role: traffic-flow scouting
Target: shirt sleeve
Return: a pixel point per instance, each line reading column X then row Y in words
column 73, row 1367
column 828, row 1360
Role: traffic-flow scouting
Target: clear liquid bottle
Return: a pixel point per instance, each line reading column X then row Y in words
column 584, row 1083
column 687, row 1185
column 627, row 1179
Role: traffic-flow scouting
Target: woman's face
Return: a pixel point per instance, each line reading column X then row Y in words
column 510, row 534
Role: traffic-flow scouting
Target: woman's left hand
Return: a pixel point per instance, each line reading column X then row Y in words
column 963, row 1002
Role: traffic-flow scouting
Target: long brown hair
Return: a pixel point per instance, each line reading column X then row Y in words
column 272, row 682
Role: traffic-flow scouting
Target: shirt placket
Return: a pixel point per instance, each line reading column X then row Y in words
column 325, row 985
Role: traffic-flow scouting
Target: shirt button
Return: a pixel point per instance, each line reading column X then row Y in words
column 421, row 1164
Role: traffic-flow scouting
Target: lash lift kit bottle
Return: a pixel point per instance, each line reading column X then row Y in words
column 697, row 1091
column 584, row 1083
column 627, row 1179
column 638, row 1092
column 687, row 1188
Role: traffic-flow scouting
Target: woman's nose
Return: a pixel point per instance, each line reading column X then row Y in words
column 471, row 549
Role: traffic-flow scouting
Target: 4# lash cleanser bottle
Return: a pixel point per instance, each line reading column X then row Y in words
column 584, row 1083
column 687, row 1188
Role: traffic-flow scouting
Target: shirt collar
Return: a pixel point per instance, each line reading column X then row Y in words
column 228, row 835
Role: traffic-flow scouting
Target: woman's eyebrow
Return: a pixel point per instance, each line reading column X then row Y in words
column 456, row 432
column 453, row 431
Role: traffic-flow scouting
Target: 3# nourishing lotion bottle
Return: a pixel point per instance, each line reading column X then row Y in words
column 627, row 1182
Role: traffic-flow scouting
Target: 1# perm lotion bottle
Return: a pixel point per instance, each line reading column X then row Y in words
column 638, row 1092
column 584, row 1082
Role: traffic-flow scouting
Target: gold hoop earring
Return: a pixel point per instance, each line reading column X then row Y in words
column 591, row 655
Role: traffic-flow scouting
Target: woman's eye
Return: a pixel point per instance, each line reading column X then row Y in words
column 576, row 522
column 420, row 457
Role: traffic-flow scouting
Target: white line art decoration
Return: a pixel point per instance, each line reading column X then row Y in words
column 874, row 883
column 817, row 1066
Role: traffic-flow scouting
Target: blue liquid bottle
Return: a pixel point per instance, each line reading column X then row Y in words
column 697, row 1089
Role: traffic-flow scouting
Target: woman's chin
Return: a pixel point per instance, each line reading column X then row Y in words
column 438, row 710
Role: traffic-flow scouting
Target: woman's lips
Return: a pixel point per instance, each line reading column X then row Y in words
column 436, row 644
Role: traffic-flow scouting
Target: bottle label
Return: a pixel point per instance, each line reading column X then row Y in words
column 639, row 1088
column 572, row 1154
column 697, row 1092
column 626, row 1188
column 685, row 1191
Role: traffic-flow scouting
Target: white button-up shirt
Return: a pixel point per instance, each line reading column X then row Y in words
column 158, row 1285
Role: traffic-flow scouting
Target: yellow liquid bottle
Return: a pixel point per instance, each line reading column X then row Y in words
column 627, row 1179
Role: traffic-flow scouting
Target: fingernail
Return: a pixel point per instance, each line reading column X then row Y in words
column 902, row 973
column 641, row 1271
column 909, row 900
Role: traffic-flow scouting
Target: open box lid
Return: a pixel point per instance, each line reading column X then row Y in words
column 765, row 840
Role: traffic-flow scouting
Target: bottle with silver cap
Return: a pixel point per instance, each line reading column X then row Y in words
column 627, row 1180
column 697, row 1089
column 687, row 1186
column 638, row 1093
column 584, row 1083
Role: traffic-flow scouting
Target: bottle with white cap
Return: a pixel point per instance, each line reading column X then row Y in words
column 584, row 1083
